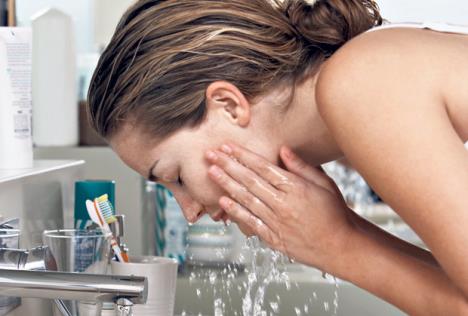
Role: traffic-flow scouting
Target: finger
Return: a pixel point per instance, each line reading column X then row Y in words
column 240, row 214
column 262, row 167
column 243, row 196
column 246, row 177
column 299, row 167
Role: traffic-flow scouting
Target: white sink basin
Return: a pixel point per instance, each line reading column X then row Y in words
column 304, row 283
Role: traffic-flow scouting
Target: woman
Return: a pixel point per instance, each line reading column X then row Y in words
column 184, row 83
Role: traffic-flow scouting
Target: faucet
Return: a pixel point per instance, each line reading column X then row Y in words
column 124, row 291
column 17, row 279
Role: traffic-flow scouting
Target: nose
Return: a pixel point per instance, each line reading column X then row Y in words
column 193, row 212
column 191, row 209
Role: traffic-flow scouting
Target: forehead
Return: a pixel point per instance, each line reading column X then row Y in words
column 137, row 149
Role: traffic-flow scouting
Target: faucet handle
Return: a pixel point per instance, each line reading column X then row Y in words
column 12, row 223
column 13, row 259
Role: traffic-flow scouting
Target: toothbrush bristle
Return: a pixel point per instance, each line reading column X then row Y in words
column 103, row 198
column 106, row 209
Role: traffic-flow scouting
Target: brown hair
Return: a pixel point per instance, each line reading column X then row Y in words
column 164, row 54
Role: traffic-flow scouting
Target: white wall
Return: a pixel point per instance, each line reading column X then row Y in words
column 450, row 11
column 95, row 19
column 107, row 16
column 81, row 11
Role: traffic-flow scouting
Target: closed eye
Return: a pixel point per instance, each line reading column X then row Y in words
column 180, row 182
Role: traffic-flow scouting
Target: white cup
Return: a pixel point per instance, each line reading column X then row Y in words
column 162, row 278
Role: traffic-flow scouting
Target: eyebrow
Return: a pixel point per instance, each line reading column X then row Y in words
column 151, row 176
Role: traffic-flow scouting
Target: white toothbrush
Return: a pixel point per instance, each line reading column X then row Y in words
column 95, row 214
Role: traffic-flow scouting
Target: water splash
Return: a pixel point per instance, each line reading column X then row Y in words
column 335, row 297
column 264, row 267
column 267, row 266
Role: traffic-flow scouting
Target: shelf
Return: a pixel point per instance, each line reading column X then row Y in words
column 40, row 167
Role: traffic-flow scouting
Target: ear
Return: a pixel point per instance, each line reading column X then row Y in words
column 226, row 99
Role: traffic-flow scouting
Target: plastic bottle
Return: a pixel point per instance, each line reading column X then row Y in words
column 171, row 226
column 55, row 102
column 15, row 98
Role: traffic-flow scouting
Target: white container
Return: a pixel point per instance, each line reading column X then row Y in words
column 15, row 98
column 162, row 279
column 210, row 242
column 55, row 105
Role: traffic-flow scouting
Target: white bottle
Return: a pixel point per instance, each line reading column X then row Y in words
column 55, row 107
column 15, row 98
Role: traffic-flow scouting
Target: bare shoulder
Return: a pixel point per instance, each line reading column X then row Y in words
column 396, row 71
column 384, row 98
column 386, row 62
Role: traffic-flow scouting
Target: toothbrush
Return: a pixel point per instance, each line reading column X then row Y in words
column 97, row 217
column 106, row 208
column 107, row 212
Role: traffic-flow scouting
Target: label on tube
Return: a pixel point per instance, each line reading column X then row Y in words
column 15, row 98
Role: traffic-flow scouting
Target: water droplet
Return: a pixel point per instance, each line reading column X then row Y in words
column 192, row 277
column 198, row 292
column 298, row 311
column 326, row 306
column 212, row 277
column 274, row 306
column 218, row 307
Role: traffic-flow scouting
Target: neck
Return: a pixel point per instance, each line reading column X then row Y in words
column 304, row 129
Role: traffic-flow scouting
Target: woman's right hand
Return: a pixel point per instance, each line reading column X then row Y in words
column 300, row 213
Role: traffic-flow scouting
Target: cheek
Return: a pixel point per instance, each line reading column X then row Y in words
column 201, row 188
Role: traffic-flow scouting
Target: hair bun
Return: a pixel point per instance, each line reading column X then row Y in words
column 328, row 24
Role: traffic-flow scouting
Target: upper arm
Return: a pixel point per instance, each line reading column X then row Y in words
column 387, row 114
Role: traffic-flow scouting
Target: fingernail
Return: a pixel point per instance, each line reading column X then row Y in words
column 287, row 153
column 211, row 155
column 215, row 171
column 226, row 149
column 225, row 202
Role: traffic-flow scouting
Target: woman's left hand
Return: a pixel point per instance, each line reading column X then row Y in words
column 300, row 213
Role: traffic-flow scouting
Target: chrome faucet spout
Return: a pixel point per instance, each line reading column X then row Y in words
column 73, row 286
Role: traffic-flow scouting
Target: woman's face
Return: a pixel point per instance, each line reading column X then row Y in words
column 178, row 162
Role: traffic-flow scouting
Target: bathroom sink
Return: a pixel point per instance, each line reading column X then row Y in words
column 307, row 287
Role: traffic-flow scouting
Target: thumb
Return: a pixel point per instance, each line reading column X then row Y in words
column 300, row 168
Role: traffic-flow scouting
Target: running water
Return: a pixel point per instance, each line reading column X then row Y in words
column 263, row 267
column 267, row 266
